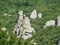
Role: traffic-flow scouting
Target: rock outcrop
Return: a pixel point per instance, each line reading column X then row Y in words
column 33, row 14
column 23, row 27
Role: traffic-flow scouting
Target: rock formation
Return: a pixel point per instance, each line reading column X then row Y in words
column 23, row 27
column 33, row 14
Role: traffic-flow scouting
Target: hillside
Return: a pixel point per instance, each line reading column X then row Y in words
column 50, row 10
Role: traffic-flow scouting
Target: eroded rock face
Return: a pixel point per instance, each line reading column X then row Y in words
column 58, row 21
column 50, row 23
column 33, row 14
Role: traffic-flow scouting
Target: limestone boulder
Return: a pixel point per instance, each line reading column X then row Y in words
column 50, row 23
column 33, row 14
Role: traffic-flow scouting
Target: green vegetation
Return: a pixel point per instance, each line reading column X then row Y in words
column 50, row 9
